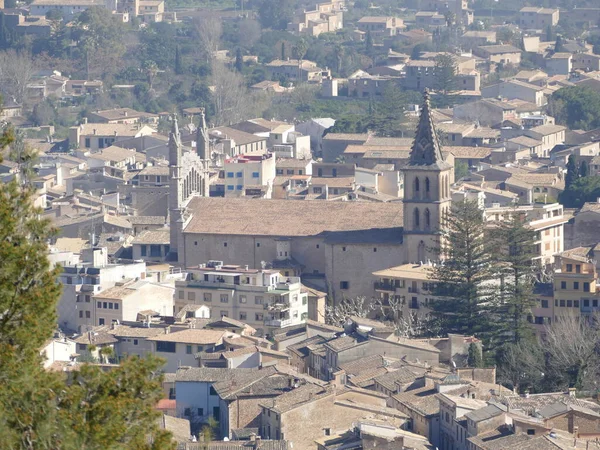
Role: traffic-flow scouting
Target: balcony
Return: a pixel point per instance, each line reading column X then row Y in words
column 384, row 286
column 278, row 306
column 278, row 323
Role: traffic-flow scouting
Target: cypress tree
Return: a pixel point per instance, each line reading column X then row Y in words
column 178, row 62
column 584, row 169
column 572, row 172
column 239, row 60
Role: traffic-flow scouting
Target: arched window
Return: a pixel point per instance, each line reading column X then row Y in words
column 417, row 219
column 417, row 187
column 421, row 251
column 427, row 187
column 427, row 219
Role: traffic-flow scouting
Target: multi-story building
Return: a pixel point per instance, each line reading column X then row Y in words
column 546, row 219
column 379, row 27
column 249, row 175
column 534, row 17
column 263, row 298
column 82, row 280
column 327, row 17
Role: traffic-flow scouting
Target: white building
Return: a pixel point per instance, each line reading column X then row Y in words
column 249, row 175
column 81, row 281
column 264, row 299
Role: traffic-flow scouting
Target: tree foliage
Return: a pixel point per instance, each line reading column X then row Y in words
column 572, row 172
column 582, row 190
column 577, row 107
column 464, row 282
column 515, row 253
column 40, row 409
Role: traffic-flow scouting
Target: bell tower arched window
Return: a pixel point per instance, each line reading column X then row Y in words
column 417, row 189
column 427, row 187
column 417, row 219
column 427, row 216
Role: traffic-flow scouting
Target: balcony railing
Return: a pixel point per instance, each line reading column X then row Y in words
column 384, row 286
column 278, row 322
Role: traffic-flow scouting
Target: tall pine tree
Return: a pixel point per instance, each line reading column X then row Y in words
column 41, row 409
column 178, row 62
column 464, row 283
column 515, row 252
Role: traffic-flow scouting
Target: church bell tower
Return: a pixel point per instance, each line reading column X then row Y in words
column 427, row 197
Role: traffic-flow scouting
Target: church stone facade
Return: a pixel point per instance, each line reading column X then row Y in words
column 341, row 243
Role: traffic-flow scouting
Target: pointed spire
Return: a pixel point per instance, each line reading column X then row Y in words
column 202, row 143
column 426, row 148
column 174, row 144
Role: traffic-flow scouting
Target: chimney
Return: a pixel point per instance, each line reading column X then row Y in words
column 84, row 120
column 167, row 330
column 94, row 131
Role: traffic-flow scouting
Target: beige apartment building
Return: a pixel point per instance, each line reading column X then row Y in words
column 534, row 17
column 264, row 299
column 574, row 292
column 546, row 219
column 125, row 300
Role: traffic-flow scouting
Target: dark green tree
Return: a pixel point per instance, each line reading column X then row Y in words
column 582, row 190
column 369, row 44
column 559, row 45
column 515, row 253
column 445, row 75
column 475, row 358
column 275, row 14
column 464, row 283
column 577, row 107
column 40, row 409
column 239, row 60
column 572, row 172
column 178, row 62
column 584, row 169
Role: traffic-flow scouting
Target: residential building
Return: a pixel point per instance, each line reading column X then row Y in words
column 559, row 64
column 546, row 219
column 327, row 17
column 152, row 245
column 315, row 128
column 286, row 142
column 487, row 112
column 472, row 39
column 249, row 175
column 232, row 142
column 125, row 300
column 263, row 298
column 296, row 71
column 179, row 348
column 321, row 411
column 66, row 8
column 379, row 27
column 452, row 410
column 533, row 17
column 363, row 84
column 59, row 348
column 96, row 136
column 551, row 135
column 430, row 19
column 122, row 115
column 587, row 62
column 515, row 89
column 500, row 54
column 82, row 280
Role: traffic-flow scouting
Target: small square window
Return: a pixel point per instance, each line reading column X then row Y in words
column 99, row 305
column 135, row 342
column 224, row 244
column 375, row 249
column 343, row 249
column 258, row 244
column 242, row 299
column 188, row 349
column 229, row 174
column 116, row 306
column 239, row 175
column 255, row 174
column 344, row 284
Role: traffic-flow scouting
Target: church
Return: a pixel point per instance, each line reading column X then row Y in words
column 337, row 245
